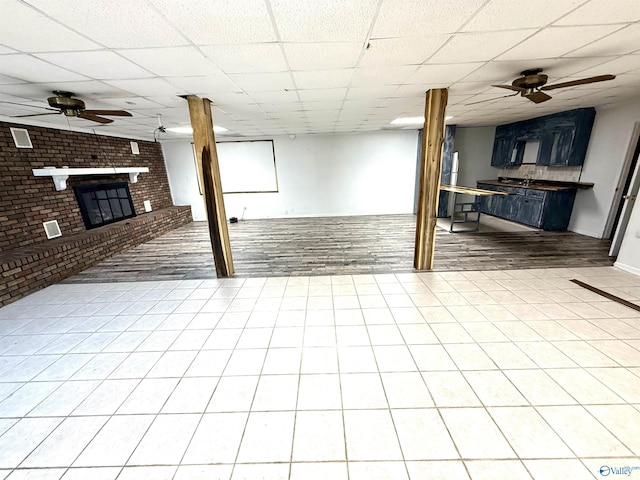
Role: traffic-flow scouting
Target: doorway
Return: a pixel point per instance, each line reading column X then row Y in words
column 627, row 195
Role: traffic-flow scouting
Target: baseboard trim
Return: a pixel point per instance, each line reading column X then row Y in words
column 627, row 268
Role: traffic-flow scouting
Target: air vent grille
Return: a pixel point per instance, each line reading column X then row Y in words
column 21, row 137
column 52, row 229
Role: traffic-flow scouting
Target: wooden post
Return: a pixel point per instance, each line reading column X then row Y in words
column 430, row 169
column 211, row 186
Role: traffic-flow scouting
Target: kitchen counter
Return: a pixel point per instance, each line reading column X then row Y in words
column 546, row 185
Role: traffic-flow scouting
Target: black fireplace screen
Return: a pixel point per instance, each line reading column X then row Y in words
column 104, row 204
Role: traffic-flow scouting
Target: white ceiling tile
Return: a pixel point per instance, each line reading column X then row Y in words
column 26, row 67
column 263, row 82
column 326, row 105
column 114, row 24
column 323, row 56
column 6, row 80
column 367, row 93
column 468, row 88
column 281, row 107
column 334, row 76
column 101, row 65
column 618, row 43
column 5, row 50
column 410, row 91
column 147, row 88
column 276, row 96
column 438, row 76
column 598, row 12
column 323, row 78
column 220, row 21
column 172, row 61
column 614, row 67
column 262, row 57
column 498, row 72
column 27, row 30
column 329, row 21
column 623, row 81
column 384, row 52
column 323, row 94
column 132, row 103
column 174, row 102
column 515, row 15
column 88, row 89
column 401, row 18
column 501, row 72
column 476, row 47
column 10, row 110
column 380, row 76
column 322, row 115
column 557, row 41
column 393, row 103
column 213, row 85
column 231, row 99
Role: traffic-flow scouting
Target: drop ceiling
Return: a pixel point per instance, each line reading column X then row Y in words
column 283, row 67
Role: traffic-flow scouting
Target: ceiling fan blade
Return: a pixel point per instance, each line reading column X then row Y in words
column 510, row 87
column 491, row 99
column 35, row 115
column 118, row 113
column 538, row 97
column 93, row 118
column 582, row 81
column 30, row 106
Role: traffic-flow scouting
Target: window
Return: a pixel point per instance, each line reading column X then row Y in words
column 104, row 204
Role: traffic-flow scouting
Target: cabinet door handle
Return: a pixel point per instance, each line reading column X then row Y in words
column 629, row 197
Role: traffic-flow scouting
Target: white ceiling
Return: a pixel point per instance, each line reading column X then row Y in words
column 275, row 67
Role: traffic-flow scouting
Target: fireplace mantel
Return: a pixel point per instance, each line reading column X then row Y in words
column 61, row 175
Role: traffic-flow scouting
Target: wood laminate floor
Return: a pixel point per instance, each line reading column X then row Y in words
column 343, row 245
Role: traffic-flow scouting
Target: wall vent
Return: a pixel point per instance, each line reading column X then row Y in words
column 52, row 229
column 134, row 148
column 21, row 137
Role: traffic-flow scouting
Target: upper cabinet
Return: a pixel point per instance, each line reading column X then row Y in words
column 503, row 146
column 560, row 139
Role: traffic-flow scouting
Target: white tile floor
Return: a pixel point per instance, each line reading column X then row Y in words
column 483, row 375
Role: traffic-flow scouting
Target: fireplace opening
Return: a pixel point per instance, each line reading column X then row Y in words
column 104, row 204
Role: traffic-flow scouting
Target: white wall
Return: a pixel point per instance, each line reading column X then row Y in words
column 181, row 170
column 610, row 141
column 475, row 146
column 361, row 174
column 629, row 255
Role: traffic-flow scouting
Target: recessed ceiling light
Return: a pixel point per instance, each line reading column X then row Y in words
column 412, row 120
column 189, row 130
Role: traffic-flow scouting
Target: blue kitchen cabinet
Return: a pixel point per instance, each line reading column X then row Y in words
column 564, row 138
column 547, row 209
column 447, row 169
column 503, row 146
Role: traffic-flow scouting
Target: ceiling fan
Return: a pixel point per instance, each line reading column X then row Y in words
column 532, row 83
column 64, row 102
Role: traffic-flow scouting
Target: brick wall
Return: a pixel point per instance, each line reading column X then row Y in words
column 27, row 201
column 27, row 269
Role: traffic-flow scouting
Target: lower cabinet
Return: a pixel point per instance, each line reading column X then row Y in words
column 545, row 209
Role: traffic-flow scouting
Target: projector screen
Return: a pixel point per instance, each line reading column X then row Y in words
column 247, row 167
